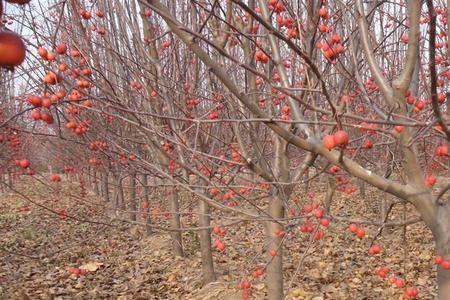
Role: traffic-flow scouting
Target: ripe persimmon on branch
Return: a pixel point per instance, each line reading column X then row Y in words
column 241, row 104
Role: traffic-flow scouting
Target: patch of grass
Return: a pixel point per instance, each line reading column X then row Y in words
column 192, row 244
column 28, row 233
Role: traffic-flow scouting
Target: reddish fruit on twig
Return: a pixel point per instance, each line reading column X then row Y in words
column 21, row 2
column 328, row 142
column 340, row 138
column 438, row 260
column 24, row 163
column 12, row 49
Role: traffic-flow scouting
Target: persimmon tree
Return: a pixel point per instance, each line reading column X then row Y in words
column 241, row 102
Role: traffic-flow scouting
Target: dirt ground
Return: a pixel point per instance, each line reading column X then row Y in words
column 41, row 253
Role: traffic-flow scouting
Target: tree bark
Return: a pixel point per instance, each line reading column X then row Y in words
column 205, row 243
column 105, row 186
column 121, row 196
column 177, row 242
column 146, row 192
column 443, row 275
column 133, row 203
column 2, row 184
column 10, row 179
column 275, row 264
column 443, row 283
column 331, row 189
column 362, row 188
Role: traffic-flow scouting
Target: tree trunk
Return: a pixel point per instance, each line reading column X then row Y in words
column 205, row 243
column 362, row 188
column 443, row 275
column 306, row 178
column 120, row 195
column 118, row 198
column 443, row 283
column 275, row 264
column 146, row 192
column 175, row 223
column 133, row 204
column 100, row 186
column 439, row 225
column 10, row 179
column 105, row 186
column 2, row 183
column 331, row 188
column 88, row 178
column 96, row 188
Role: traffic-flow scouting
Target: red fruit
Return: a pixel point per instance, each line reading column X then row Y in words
column 411, row 292
column 147, row 12
column 12, row 49
column 367, row 144
column 75, row 53
column 21, row 2
column 24, row 209
column 279, row 233
column 245, row 284
column 419, row 105
column 340, row 138
column 400, row 283
column 382, row 272
column 258, row 273
column 61, row 49
column 445, row 264
column 74, row 271
column 318, row 235
column 71, row 125
column 36, row 115
column 325, row 222
column 24, row 163
column 51, row 56
column 51, row 78
column 213, row 191
column 165, row 44
column 43, row 52
column 319, row 213
column 399, row 128
column 100, row 14
column 353, row 228
column 85, row 14
column 404, row 38
column 46, row 103
column 47, row 118
column 329, row 142
column 216, row 230
column 34, row 100
column 438, row 260
column 360, row 233
column 323, row 13
column 334, row 169
column 430, row 180
column 213, row 115
column 375, row 249
column 55, row 178
column 442, row 150
column 220, row 245
column 273, row 252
